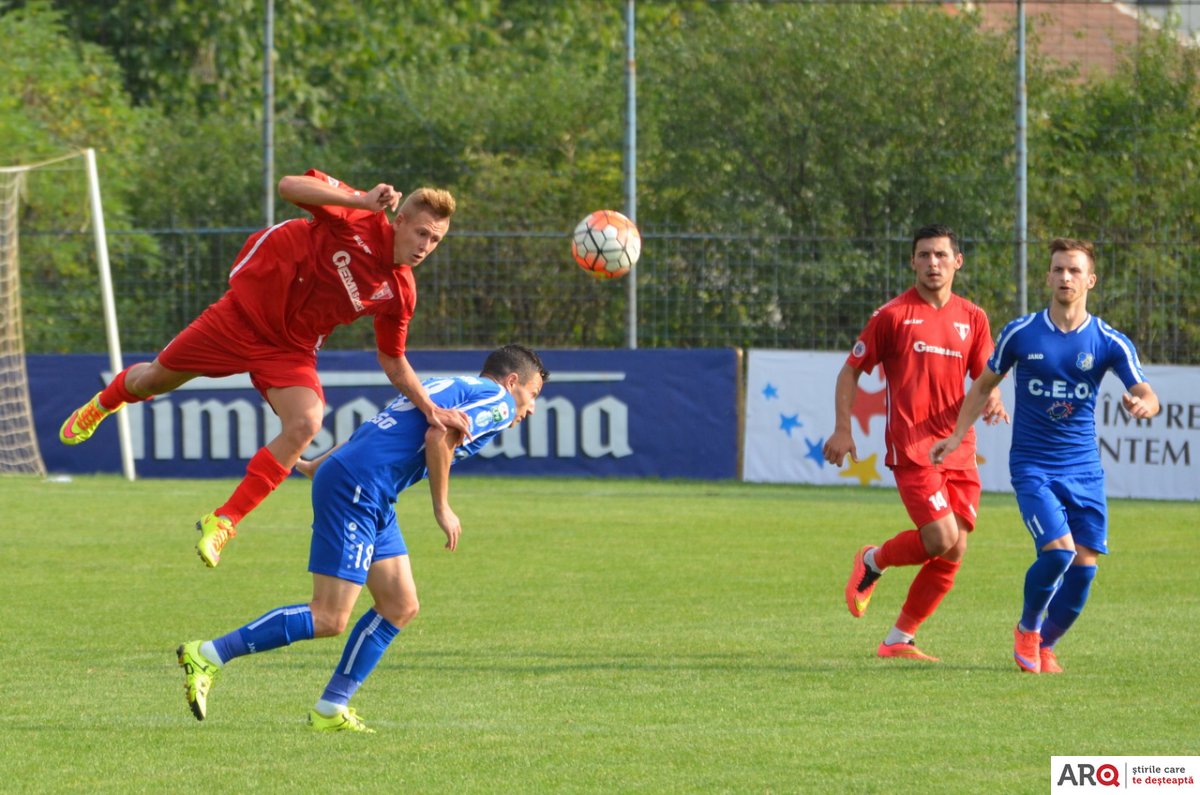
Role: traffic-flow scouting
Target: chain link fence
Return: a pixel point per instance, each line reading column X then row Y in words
column 799, row 249
column 694, row 290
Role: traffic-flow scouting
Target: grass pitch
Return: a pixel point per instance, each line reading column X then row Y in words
column 588, row 636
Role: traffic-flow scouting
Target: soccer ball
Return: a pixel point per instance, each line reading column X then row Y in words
column 606, row 244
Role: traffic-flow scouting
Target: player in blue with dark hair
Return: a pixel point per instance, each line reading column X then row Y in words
column 1060, row 354
column 356, row 539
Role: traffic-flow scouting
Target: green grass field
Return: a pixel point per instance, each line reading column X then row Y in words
column 588, row 636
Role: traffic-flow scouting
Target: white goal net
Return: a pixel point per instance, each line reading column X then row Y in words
column 19, row 452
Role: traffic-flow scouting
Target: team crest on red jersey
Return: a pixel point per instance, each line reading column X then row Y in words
column 963, row 330
column 382, row 293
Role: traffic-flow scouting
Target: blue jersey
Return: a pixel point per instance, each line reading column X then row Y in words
column 386, row 454
column 1057, row 378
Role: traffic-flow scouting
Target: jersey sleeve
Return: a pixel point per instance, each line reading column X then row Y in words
column 332, row 212
column 869, row 348
column 1004, row 356
column 391, row 335
column 981, row 344
column 1123, row 357
column 478, row 442
column 490, row 409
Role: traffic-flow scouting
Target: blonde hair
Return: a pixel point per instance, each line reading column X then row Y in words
column 439, row 203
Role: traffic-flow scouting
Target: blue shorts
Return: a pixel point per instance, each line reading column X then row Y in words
column 1055, row 505
column 350, row 529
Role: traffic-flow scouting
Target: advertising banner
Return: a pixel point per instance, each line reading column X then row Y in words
column 652, row 413
column 789, row 415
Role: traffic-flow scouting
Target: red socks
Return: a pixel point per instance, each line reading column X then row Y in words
column 932, row 583
column 263, row 474
column 905, row 549
column 115, row 393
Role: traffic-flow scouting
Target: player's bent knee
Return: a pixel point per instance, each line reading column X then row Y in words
column 300, row 431
column 938, row 541
column 401, row 612
column 328, row 625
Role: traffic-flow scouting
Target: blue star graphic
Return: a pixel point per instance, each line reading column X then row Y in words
column 769, row 392
column 814, row 450
column 787, row 422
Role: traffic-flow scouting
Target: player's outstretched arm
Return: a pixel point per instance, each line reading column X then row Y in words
column 841, row 441
column 439, row 455
column 973, row 404
column 405, row 379
column 305, row 190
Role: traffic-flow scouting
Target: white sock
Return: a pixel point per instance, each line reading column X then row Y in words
column 327, row 708
column 869, row 559
column 210, row 653
column 896, row 636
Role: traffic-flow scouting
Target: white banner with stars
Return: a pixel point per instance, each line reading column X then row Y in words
column 789, row 415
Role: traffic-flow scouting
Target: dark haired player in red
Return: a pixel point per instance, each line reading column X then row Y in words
column 927, row 340
column 290, row 286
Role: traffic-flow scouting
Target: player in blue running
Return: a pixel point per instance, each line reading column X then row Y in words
column 356, row 540
column 1060, row 354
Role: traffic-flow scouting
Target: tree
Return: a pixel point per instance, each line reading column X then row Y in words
column 1117, row 163
column 59, row 96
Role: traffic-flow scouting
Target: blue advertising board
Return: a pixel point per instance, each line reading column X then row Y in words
column 630, row 413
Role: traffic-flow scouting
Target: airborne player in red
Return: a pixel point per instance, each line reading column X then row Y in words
column 290, row 286
column 927, row 340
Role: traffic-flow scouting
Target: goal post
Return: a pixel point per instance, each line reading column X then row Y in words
column 110, row 307
column 19, row 449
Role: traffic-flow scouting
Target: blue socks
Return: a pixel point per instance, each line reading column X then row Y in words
column 285, row 625
column 1068, row 603
column 364, row 647
column 280, row 627
column 1040, row 583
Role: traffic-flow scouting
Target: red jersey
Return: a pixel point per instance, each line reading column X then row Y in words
column 926, row 354
column 296, row 281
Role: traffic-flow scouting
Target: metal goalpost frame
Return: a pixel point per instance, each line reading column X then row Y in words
column 110, row 307
column 106, row 289
column 631, row 160
column 1021, row 177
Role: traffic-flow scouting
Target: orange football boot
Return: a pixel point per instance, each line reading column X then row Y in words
column 1026, row 650
column 1049, row 661
column 861, row 584
column 908, row 650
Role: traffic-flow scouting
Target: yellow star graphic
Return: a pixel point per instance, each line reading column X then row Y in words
column 865, row 470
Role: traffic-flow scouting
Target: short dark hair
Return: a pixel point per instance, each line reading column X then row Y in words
column 1071, row 244
column 514, row 359
column 935, row 230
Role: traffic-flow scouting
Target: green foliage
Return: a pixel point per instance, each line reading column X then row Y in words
column 828, row 141
column 1121, row 166
column 786, row 153
column 59, row 95
column 587, row 636
column 852, row 134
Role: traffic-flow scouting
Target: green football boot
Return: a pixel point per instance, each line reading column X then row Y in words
column 199, row 674
column 346, row 720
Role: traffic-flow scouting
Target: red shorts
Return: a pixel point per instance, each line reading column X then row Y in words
column 222, row 342
column 929, row 493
